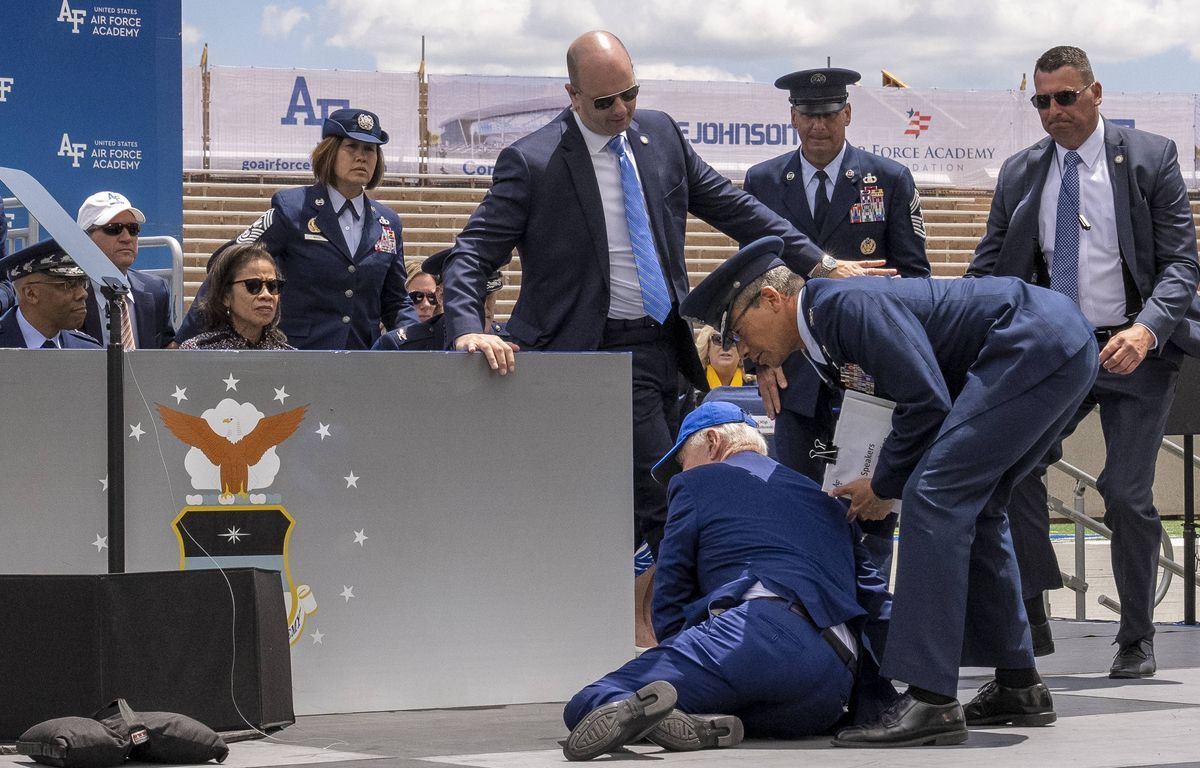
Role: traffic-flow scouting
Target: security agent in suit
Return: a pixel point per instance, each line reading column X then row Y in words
column 339, row 250
column 113, row 224
column 1133, row 274
column 759, row 606
column 558, row 197
column 431, row 335
column 984, row 373
column 51, row 290
column 854, row 205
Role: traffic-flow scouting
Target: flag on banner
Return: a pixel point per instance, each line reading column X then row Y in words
column 917, row 123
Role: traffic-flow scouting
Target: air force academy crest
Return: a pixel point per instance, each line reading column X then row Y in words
column 232, row 522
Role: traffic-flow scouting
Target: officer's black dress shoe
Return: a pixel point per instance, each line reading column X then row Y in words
column 617, row 723
column 1134, row 660
column 908, row 723
column 998, row 705
column 1043, row 639
column 681, row 732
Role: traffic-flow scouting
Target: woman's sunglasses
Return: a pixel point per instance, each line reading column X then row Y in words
column 254, row 285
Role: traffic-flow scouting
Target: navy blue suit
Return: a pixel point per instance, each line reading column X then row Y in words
column 898, row 239
column 985, row 373
column 12, row 338
column 1157, row 241
column 545, row 202
column 806, row 418
column 151, row 311
column 335, row 299
column 732, row 524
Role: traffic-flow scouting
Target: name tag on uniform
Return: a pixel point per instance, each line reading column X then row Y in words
column 320, row 238
column 869, row 208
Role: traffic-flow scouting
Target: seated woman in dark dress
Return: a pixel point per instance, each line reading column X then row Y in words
column 241, row 308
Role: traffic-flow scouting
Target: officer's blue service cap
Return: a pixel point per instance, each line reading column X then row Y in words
column 355, row 124
column 707, row 415
column 436, row 264
column 818, row 91
column 46, row 257
column 710, row 302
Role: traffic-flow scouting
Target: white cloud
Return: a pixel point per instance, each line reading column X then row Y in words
column 278, row 21
column 192, row 35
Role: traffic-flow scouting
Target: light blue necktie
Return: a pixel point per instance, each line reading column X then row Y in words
column 1064, row 272
column 656, row 299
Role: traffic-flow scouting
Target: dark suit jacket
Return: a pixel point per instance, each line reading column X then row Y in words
column 12, row 338
column 545, row 202
column 899, row 239
column 750, row 519
column 942, row 350
column 1155, row 230
column 151, row 307
column 334, row 299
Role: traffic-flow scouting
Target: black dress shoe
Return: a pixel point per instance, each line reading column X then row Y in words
column 908, row 723
column 681, row 732
column 998, row 705
column 617, row 723
column 1134, row 660
column 1043, row 640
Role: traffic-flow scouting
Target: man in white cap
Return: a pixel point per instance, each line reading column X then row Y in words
column 114, row 224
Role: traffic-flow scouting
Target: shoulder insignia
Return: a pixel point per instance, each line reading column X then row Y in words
column 253, row 232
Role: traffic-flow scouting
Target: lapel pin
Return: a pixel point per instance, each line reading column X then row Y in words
column 869, row 179
column 790, row 175
column 644, row 139
column 312, row 226
column 383, row 220
column 1119, row 159
column 319, row 202
column 850, row 174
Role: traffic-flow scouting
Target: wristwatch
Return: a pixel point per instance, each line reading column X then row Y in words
column 825, row 267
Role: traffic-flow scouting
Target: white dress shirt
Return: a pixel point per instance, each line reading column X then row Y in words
column 625, row 291
column 1101, row 283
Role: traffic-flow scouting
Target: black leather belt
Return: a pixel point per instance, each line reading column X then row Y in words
column 618, row 324
column 1107, row 332
column 835, row 642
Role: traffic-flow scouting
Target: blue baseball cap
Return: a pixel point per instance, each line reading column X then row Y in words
column 355, row 124
column 707, row 415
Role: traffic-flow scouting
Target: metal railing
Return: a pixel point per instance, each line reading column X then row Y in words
column 1077, row 514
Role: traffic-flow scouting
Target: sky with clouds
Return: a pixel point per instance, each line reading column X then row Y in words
column 1135, row 45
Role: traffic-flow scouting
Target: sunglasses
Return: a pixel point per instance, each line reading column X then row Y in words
column 1062, row 98
column 419, row 296
column 114, row 229
column 605, row 102
column 254, row 285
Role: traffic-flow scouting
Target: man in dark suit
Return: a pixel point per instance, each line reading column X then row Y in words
column 854, row 205
column 596, row 203
column 984, row 374
column 114, row 224
column 760, row 608
column 50, row 289
column 1100, row 213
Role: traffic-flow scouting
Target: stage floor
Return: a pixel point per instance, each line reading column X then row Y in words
column 1101, row 722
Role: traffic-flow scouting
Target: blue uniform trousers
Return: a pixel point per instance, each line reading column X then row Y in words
column 757, row 660
column 957, row 597
column 1133, row 413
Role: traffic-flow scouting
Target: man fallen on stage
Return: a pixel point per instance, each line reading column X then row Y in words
column 764, row 610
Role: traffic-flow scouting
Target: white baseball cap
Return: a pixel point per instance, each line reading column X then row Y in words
column 100, row 208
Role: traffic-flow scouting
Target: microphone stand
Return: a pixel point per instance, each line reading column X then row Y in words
column 114, row 296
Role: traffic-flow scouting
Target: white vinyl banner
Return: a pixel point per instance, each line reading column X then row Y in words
column 269, row 120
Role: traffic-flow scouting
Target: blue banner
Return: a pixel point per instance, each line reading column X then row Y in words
column 91, row 100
